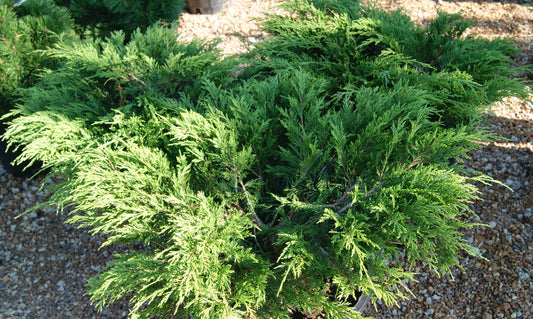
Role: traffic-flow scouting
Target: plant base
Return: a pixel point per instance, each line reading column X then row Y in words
column 6, row 158
column 358, row 302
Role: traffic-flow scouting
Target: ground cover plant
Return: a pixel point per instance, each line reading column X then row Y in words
column 288, row 186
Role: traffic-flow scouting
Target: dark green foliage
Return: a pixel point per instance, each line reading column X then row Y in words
column 26, row 31
column 288, row 186
column 350, row 44
column 97, row 18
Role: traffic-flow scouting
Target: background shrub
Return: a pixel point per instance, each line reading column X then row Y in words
column 97, row 18
column 27, row 31
column 352, row 44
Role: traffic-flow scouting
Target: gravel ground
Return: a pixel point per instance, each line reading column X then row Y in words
column 44, row 264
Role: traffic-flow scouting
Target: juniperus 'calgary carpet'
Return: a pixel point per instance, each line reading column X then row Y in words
column 288, row 186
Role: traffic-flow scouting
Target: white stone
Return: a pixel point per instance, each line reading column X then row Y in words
column 61, row 285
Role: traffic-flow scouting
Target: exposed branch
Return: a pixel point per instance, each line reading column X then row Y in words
column 415, row 161
column 347, row 193
column 238, row 179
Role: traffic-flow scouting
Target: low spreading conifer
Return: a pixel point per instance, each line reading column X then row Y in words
column 288, row 186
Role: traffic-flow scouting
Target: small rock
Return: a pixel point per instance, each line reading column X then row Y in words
column 505, row 306
column 514, row 185
column 61, row 285
column 523, row 275
column 493, row 224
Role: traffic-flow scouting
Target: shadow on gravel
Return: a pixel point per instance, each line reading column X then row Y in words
column 516, row 152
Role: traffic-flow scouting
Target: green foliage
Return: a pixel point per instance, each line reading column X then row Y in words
column 109, row 78
column 348, row 43
column 26, row 31
column 288, row 186
column 97, row 18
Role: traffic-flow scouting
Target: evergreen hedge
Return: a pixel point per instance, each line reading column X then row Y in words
column 287, row 186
